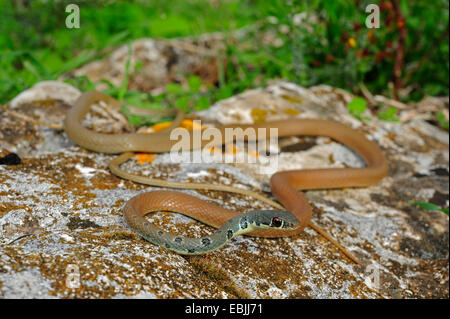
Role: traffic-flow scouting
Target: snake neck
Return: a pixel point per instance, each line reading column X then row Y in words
column 235, row 226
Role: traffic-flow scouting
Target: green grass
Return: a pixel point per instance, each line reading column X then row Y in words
column 36, row 46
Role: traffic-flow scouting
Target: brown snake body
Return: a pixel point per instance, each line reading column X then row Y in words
column 285, row 185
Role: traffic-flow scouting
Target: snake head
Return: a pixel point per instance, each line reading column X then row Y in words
column 275, row 219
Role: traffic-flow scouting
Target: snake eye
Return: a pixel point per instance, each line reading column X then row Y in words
column 276, row 222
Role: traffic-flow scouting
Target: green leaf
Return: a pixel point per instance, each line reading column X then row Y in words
column 430, row 206
column 225, row 92
column 442, row 121
column 136, row 98
column 139, row 120
column 194, row 83
column 202, row 103
column 388, row 115
column 182, row 103
column 356, row 107
column 174, row 88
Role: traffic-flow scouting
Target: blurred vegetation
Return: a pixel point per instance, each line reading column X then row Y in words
column 315, row 42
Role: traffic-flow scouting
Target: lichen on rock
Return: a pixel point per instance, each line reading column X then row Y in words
column 62, row 233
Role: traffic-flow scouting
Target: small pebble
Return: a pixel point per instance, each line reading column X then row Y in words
column 10, row 159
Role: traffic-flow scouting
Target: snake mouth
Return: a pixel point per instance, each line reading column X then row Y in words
column 291, row 226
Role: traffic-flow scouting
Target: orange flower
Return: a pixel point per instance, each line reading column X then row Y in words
column 400, row 23
column 143, row 158
column 160, row 126
column 187, row 124
column 386, row 5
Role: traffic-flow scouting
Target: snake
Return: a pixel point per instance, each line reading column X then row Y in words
column 293, row 211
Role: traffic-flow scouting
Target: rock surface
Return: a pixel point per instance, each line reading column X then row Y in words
column 62, row 233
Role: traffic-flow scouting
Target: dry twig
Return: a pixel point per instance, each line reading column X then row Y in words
column 30, row 119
